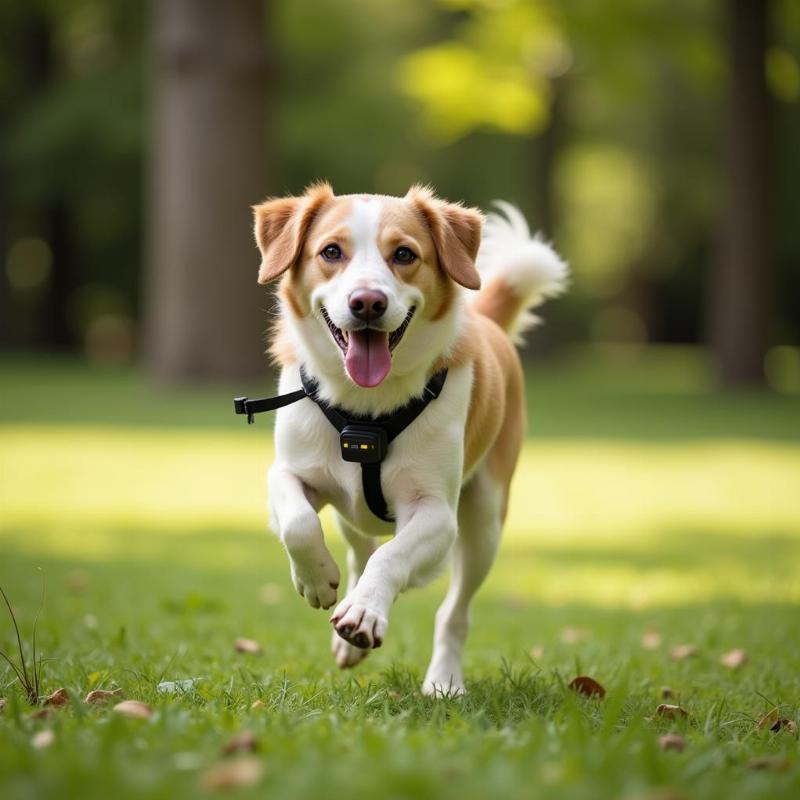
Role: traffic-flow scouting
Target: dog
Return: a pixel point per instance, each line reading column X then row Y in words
column 376, row 295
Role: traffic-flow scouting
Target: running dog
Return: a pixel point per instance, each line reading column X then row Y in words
column 379, row 296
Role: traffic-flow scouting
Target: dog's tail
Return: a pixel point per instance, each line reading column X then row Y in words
column 518, row 271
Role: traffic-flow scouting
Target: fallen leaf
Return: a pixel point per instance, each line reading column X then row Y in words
column 574, row 635
column 240, row 772
column 536, row 652
column 58, row 698
column 243, row 742
column 733, row 659
column 682, row 651
column 134, row 708
column 42, row 713
column 775, row 763
column 672, row 712
column 43, row 739
column 651, row 640
column 672, row 741
column 775, row 722
column 667, row 693
column 256, row 704
column 101, row 695
column 587, row 686
column 247, row 646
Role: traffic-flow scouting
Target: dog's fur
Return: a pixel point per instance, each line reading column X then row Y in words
column 447, row 475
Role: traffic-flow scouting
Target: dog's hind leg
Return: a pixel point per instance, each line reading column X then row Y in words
column 480, row 519
column 360, row 548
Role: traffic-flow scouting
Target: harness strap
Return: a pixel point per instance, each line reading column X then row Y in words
column 373, row 491
column 361, row 430
column 244, row 405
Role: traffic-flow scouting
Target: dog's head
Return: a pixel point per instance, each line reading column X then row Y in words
column 368, row 277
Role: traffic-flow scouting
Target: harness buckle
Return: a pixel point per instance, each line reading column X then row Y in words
column 240, row 407
column 363, row 444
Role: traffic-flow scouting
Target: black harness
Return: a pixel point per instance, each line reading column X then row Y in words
column 363, row 439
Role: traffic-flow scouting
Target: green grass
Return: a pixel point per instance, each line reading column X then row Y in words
column 644, row 500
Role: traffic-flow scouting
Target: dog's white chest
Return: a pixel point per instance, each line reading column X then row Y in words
column 426, row 457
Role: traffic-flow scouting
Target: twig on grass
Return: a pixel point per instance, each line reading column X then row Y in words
column 30, row 682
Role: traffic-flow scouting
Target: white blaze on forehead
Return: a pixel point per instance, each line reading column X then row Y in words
column 364, row 224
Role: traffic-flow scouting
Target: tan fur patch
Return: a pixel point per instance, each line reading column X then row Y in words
column 456, row 233
column 496, row 418
column 281, row 226
column 498, row 301
column 401, row 225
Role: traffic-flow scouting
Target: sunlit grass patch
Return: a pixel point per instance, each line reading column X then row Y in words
column 153, row 542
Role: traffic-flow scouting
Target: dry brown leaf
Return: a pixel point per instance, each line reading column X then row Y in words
column 775, row 763
column 672, row 741
column 238, row 773
column 651, row 640
column 42, row 713
column 2, row 704
column 585, row 685
column 667, row 693
column 134, row 708
column 243, row 742
column 775, row 722
column 672, row 712
column 250, row 646
column 57, row 699
column 256, row 704
column 733, row 659
column 682, row 651
column 574, row 635
column 536, row 652
column 43, row 739
column 102, row 695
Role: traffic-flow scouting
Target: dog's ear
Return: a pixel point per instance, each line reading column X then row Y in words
column 281, row 227
column 456, row 234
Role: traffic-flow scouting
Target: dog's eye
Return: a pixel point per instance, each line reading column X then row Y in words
column 331, row 252
column 404, row 255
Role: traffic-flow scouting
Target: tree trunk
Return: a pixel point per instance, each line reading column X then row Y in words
column 204, row 315
column 739, row 285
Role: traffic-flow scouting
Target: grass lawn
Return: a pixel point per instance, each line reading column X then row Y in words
column 644, row 503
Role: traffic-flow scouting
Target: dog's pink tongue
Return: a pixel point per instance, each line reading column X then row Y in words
column 368, row 359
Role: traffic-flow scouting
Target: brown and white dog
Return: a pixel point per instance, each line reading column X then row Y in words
column 378, row 293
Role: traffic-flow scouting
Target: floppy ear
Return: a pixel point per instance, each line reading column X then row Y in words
column 456, row 233
column 281, row 226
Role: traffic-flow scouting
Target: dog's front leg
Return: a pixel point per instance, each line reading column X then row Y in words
column 314, row 572
column 426, row 531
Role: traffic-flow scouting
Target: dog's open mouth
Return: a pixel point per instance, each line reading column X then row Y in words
column 367, row 351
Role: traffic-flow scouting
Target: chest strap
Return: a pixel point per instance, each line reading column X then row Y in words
column 363, row 439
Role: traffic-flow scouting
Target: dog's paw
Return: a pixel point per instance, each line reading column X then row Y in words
column 345, row 654
column 359, row 622
column 444, row 682
column 316, row 578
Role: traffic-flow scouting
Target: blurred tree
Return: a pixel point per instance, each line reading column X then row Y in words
column 203, row 310
column 740, row 282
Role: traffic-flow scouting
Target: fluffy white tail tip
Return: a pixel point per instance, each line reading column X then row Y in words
column 527, row 263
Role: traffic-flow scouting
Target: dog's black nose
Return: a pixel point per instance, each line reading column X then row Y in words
column 367, row 305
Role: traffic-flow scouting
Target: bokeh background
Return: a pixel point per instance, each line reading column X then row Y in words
column 656, row 502
column 654, row 143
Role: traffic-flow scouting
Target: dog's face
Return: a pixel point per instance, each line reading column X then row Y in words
column 368, row 277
